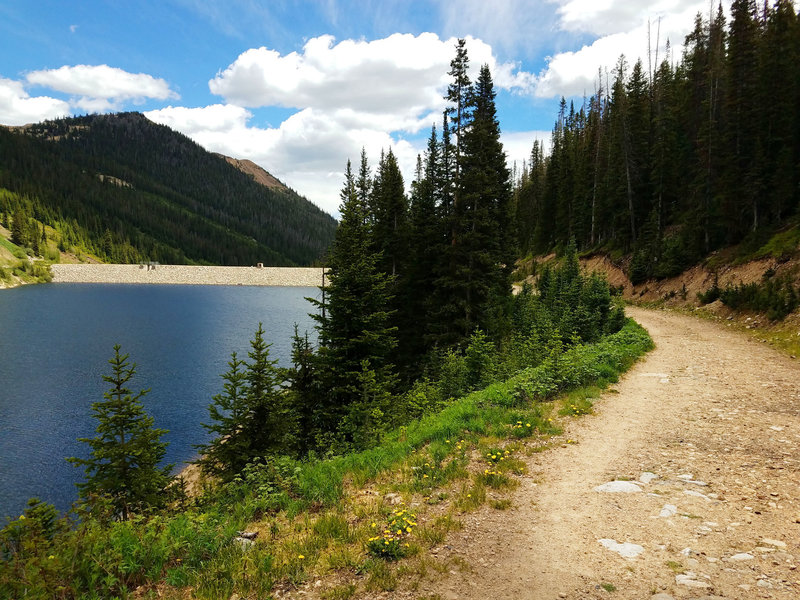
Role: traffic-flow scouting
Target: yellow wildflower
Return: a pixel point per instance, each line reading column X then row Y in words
column 300, row 556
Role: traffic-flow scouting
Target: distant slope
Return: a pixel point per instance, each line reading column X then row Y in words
column 126, row 189
column 257, row 173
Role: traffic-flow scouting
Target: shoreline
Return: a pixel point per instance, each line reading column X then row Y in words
column 187, row 275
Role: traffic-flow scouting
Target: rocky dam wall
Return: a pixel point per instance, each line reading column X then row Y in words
column 188, row 275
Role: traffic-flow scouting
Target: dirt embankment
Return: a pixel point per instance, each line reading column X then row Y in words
column 704, row 436
column 682, row 289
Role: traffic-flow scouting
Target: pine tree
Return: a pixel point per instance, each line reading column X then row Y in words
column 355, row 322
column 19, row 228
column 124, row 460
column 229, row 451
column 270, row 425
column 486, row 245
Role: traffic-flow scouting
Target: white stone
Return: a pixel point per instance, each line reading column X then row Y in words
column 696, row 494
column 625, row 487
column 669, row 510
column 688, row 579
column 741, row 557
column 624, row 549
column 647, row 477
column 776, row 543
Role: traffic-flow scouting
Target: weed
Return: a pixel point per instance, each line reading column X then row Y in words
column 501, row 504
column 392, row 542
column 609, row 587
column 342, row 592
column 675, row 566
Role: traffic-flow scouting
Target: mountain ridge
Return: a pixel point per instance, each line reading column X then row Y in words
column 179, row 203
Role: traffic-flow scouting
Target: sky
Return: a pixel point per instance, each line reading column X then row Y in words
column 301, row 87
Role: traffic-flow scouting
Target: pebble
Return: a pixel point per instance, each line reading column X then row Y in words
column 669, row 510
column 741, row 557
column 776, row 543
column 688, row 579
column 662, row 597
column 624, row 487
column 624, row 549
column 696, row 494
column 647, row 477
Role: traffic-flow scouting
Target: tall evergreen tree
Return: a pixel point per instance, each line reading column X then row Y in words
column 355, row 326
column 229, row 451
column 485, row 244
column 124, row 462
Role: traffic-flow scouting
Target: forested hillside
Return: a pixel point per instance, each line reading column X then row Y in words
column 129, row 190
column 673, row 160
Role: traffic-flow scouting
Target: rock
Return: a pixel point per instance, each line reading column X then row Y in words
column 662, row 597
column 669, row 510
column 776, row 543
column 393, row 498
column 685, row 476
column 624, row 549
column 688, row 579
column 696, row 494
column 742, row 556
column 243, row 543
column 763, row 583
column 248, row 535
column 647, row 477
column 624, row 487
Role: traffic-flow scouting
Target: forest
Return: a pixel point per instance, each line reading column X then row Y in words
column 127, row 190
column 672, row 160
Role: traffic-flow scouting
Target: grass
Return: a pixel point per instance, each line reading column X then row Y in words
column 609, row 587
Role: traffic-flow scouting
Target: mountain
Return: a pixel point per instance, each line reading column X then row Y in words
column 130, row 190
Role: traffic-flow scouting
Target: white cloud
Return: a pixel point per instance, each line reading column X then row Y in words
column 98, row 88
column 399, row 75
column 622, row 28
column 18, row 108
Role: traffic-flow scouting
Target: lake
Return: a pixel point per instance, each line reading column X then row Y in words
column 55, row 342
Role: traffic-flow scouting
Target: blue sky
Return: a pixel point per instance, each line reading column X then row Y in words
column 300, row 87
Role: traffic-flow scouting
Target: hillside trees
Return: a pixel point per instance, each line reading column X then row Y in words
column 672, row 164
column 159, row 195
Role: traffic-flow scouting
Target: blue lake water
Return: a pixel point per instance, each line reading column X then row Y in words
column 55, row 342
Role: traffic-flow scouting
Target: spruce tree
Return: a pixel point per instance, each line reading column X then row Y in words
column 229, row 451
column 270, row 427
column 123, row 464
column 354, row 322
column 486, row 245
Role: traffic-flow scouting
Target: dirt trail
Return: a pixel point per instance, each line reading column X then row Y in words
column 715, row 417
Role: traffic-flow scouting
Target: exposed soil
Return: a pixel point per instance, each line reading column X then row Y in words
column 715, row 416
column 682, row 289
